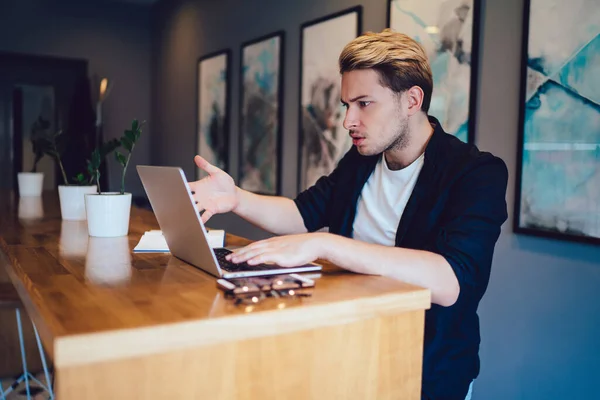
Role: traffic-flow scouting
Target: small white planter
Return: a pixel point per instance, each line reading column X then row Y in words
column 30, row 183
column 72, row 201
column 108, row 214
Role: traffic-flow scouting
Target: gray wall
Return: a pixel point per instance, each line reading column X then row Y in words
column 541, row 315
column 114, row 38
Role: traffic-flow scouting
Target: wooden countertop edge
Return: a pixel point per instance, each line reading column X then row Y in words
column 33, row 309
column 90, row 348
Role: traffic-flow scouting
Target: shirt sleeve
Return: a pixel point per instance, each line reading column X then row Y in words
column 314, row 203
column 472, row 220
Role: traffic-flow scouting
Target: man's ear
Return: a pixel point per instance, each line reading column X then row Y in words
column 414, row 98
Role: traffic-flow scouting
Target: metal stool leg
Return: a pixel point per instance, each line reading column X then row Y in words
column 14, row 385
column 43, row 357
column 23, row 358
column 26, row 376
column 2, row 396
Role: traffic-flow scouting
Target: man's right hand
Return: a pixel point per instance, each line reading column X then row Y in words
column 216, row 193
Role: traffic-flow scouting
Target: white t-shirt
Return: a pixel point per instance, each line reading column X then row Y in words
column 382, row 202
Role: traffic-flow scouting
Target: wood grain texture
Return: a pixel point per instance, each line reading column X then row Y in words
column 97, row 304
column 376, row 358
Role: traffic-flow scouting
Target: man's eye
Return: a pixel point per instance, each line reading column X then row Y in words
column 345, row 105
column 364, row 103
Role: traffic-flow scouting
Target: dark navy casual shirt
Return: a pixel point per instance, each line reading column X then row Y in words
column 456, row 210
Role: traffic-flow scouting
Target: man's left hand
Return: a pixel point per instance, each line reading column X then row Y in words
column 286, row 251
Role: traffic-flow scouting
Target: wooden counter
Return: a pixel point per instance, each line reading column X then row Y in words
column 119, row 325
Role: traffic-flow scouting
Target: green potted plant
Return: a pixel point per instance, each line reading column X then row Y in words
column 108, row 212
column 71, row 194
column 31, row 183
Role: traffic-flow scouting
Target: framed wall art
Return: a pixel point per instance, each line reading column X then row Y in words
column 322, row 138
column 260, row 114
column 448, row 30
column 212, row 133
column 558, row 162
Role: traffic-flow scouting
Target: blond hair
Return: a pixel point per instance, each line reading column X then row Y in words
column 400, row 61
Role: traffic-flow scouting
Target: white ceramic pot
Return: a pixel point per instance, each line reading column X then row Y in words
column 108, row 214
column 30, row 183
column 72, row 201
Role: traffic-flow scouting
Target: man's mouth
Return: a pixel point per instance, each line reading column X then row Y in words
column 356, row 139
column 357, row 142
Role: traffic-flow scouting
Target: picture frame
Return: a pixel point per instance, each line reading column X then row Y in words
column 557, row 192
column 449, row 32
column 261, row 113
column 213, row 78
column 322, row 139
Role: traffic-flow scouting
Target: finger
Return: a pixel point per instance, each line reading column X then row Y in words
column 274, row 257
column 242, row 254
column 277, row 257
column 245, row 257
column 205, row 165
column 206, row 216
column 238, row 254
column 199, row 207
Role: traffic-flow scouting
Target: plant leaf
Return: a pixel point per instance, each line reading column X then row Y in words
column 131, row 136
column 120, row 158
column 90, row 169
column 94, row 162
column 109, row 146
column 127, row 143
column 79, row 179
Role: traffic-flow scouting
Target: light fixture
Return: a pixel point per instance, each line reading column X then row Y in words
column 104, row 89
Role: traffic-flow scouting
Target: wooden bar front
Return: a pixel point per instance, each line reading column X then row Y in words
column 119, row 325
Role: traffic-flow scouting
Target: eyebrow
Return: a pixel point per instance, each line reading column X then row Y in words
column 362, row 96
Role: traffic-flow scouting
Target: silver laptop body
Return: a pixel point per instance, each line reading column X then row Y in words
column 174, row 207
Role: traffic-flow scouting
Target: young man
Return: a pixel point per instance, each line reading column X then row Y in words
column 408, row 201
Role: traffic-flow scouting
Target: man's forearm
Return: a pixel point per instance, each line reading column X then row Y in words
column 278, row 215
column 422, row 268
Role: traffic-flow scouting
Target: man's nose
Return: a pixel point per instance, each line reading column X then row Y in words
column 350, row 120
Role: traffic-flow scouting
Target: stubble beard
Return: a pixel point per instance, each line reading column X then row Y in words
column 401, row 138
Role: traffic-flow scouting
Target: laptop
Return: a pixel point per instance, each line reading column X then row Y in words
column 174, row 207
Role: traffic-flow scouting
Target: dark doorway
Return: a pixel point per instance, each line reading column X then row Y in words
column 49, row 89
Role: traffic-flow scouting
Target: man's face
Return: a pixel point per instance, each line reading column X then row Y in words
column 375, row 115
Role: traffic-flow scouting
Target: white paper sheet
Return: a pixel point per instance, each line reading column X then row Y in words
column 154, row 241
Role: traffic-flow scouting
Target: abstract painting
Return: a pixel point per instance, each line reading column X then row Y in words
column 213, row 110
column 323, row 140
column 448, row 30
column 260, row 114
column 558, row 182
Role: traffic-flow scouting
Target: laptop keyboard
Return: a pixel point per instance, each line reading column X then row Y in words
column 220, row 253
